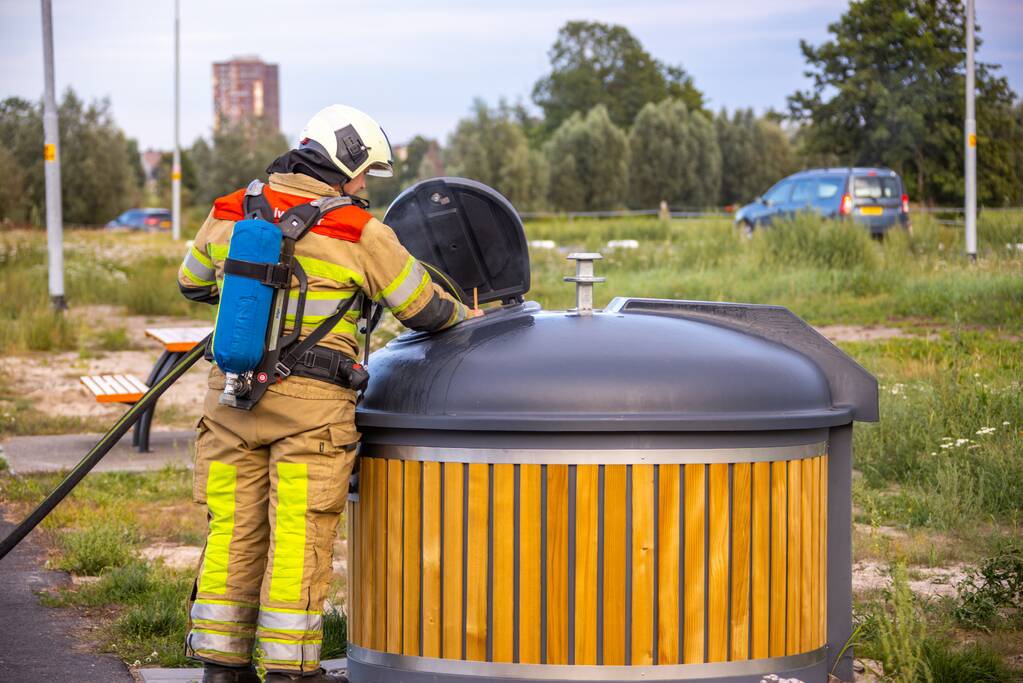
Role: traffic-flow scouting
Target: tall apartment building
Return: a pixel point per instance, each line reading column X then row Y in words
column 246, row 87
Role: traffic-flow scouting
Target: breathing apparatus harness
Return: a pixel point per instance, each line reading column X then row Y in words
column 249, row 343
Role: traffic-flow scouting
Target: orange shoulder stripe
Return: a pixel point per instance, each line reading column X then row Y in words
column 229, row 207
column 345, row 223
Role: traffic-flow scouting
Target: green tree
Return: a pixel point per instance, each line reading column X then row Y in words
column 888, row 89
column 163, row 181
column 100, row 166
column 234, row 156
column 675, row 157
column 594, row 63
column 490, row 146
column 589, row 163
column 21, row 161
column 755, row 153
column 383, row 191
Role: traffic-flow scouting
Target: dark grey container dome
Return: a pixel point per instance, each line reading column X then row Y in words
column 521, row 368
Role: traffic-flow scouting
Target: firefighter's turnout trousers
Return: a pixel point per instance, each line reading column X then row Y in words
column 274, row 480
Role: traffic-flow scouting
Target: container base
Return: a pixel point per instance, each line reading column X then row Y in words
column 370, row 666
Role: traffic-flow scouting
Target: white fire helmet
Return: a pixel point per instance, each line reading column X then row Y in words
column 352, row 141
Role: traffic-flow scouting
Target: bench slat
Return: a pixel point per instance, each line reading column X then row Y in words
column 93, row 387
column 133, row 382
column 115, row 388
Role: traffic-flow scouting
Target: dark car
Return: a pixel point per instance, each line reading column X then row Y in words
column 142, row 219
column 874, row 197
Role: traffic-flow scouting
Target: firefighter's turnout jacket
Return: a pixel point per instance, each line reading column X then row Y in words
column 274, row 479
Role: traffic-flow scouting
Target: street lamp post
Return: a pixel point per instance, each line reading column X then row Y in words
column 971, row 138
column 176, row 167
column 51, row 164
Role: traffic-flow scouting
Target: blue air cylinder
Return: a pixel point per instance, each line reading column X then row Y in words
column 243, row 317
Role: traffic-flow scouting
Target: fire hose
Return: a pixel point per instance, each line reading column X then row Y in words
column 101, row 448
column 121, row 427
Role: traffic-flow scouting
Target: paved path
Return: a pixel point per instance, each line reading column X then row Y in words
column 194, row 675
column 27, row 454
column 36, row 642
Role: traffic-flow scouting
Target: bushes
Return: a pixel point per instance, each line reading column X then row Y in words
column 806, row 240
column 991, row 595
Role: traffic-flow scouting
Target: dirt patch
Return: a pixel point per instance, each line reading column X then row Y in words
column 928, row 582
column 858, row 333
column 174, row 556
column 885, row 531
column 51, row 380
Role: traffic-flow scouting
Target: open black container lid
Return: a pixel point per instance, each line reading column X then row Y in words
column 469, row 231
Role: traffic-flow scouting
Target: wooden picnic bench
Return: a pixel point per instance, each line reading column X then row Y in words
column 177, row 341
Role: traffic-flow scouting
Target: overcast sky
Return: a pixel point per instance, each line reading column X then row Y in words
column 415, row 66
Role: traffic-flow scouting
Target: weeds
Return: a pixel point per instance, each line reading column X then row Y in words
column 153, row 611
column 335, row 634
column 991, row 595
column 98, row 547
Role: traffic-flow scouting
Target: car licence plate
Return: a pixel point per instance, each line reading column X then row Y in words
column 165, row 224
column 871, row 211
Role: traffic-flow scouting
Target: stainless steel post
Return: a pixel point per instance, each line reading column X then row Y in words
column 176, row 168
column 971, row 137
column 51, row 164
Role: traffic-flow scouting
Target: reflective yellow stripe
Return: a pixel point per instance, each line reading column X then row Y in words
column 343, row 327
column 289, row 532
column 415, row 295
column 331, row 271
column 201, row 257
column 396, row 282
column 290, row 642
column 287, row 610
column 232, row 603
column 220, row 485
column 242, row 628
column 313, row 266
column 218, row 251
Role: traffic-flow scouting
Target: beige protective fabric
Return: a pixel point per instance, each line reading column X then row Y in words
column 377, row 264
column 274, row 480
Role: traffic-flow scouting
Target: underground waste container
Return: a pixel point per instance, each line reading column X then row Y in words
column 659, row 490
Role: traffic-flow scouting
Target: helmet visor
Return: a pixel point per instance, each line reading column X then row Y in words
column 380, row 170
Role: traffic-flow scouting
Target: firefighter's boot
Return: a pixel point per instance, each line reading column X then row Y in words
column 320, row 676
column 216, row 673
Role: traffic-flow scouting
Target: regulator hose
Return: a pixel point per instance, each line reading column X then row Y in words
column 101, row 448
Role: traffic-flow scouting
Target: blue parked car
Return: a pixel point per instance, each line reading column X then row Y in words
column 874, row 197
column 142, row 219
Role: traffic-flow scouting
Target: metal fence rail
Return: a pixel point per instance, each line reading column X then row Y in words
column 694, row 212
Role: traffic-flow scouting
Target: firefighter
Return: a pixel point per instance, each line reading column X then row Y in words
column 274, row 479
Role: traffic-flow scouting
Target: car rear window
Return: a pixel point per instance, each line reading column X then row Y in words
column 874, row 187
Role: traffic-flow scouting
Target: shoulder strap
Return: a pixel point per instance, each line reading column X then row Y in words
column 255, row 204
column 300, row 219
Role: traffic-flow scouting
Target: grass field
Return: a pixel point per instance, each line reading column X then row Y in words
column 939, row 480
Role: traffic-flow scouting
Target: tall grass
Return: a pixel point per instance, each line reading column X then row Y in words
column 136, row 272
column 824, row 271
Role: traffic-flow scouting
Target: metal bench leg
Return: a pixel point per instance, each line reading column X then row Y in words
column 140, row 439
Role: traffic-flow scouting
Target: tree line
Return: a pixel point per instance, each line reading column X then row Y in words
column 612, row 127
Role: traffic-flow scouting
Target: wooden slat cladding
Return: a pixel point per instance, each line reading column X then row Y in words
column 590, row 564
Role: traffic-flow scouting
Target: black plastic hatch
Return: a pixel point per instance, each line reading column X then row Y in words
column 469, row 231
